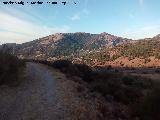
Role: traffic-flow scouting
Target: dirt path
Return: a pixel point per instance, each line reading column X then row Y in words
column 45, row 94
column 34, row 99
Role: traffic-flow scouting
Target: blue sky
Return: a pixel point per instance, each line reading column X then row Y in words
column 126, row 18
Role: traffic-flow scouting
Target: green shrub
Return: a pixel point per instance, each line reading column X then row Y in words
column 137, row 82
column 60, row 64
column 9, row 68
column 80, row 70
column 85, row 72
column 71, row 70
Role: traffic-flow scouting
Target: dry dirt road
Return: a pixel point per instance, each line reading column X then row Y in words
column 44, row 94
column 34, row 99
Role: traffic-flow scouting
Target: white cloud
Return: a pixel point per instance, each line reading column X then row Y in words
column 14, row 29
column 142, row 32
column 75, row 17
column 80, row 14
column 12, row 37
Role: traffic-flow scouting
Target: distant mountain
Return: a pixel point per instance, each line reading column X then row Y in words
column 64, row 44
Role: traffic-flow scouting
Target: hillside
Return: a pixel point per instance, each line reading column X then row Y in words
column 63, row 44
column 92, row 49
column 143, row 53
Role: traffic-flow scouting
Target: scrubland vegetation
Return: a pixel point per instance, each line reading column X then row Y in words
column 10, row 69
column 142, row 49
column 141, row 95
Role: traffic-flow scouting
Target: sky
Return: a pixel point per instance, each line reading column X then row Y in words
column 133, row 19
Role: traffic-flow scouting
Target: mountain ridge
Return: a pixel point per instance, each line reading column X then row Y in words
column 64, row 44
column 70, row 45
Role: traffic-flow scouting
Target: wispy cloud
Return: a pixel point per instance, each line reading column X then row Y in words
column 75, row 17
column 79, row 15
column 142, row 32
column 16, row 29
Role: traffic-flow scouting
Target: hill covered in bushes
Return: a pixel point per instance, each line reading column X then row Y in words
column 92, row 49
column 142, row 51
column 63, row 44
